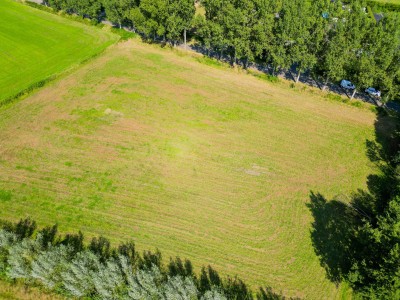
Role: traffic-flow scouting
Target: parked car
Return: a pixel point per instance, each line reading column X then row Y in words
column 372, row 91
column 347, row 85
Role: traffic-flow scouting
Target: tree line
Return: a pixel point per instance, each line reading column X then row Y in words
column 66, row 265
column 330, row 40
column 154, row 19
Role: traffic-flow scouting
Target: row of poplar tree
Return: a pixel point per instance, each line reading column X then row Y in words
column 66, row 265
column 332, row 40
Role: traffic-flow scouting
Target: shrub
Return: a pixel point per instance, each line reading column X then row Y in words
column 49, row 264
column 98, row 271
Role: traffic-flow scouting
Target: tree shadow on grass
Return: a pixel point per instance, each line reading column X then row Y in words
column 334, row 230
column 332, row 235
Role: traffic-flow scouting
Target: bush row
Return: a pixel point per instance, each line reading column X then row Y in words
column 66, row 265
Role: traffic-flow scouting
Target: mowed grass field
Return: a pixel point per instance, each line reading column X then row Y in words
column 35, row 45
column 202, row 162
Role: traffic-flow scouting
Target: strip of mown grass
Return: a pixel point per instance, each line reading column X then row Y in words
column 35, row 46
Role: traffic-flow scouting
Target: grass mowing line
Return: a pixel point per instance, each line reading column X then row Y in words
column 38, row 46
column 197, row 161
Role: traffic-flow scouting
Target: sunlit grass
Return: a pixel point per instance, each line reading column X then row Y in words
column 198, row 160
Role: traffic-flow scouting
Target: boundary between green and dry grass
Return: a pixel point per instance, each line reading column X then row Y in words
column 42, row 83
column 123, row 35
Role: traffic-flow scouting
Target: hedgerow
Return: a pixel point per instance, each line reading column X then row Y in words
column 64, row 264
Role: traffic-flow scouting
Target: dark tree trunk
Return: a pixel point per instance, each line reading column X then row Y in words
column 325, row 83
column 220, row 54
column 233, row 58
column 184, row 37
column 245, row 63
column 276, row 70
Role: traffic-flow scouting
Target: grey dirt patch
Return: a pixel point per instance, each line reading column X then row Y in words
column 257, row 171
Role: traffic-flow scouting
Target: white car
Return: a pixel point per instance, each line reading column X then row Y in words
column 347, row 85
column 372, row 91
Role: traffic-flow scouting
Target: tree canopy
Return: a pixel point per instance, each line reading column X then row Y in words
column 328, row 39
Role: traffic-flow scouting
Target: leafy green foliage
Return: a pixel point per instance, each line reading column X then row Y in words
column 98, row 272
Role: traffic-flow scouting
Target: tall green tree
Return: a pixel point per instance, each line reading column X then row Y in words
column 295, row 27
column 360, row 67
column 89, row 8
column 151, row 18
column 262, row 30
column 210, row 34
column 180, row 16
column 209, row 28
column 386, row 37
column 117, row 10
column 376, row 274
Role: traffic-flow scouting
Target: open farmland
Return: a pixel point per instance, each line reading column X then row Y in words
column 35, row 45
column 202, row 162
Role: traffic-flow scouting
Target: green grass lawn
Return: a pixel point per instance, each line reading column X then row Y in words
column 35, row 45
column 203, row 162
